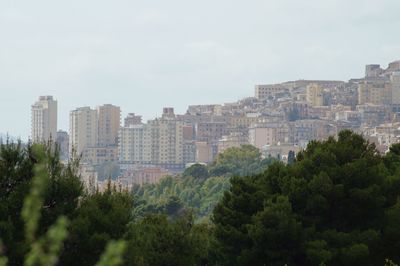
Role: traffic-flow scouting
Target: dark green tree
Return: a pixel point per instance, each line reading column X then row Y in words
column 239, row 161
column 61, row 195
column 291, row 157
column 156, row 240
column 197, row 170
column 336, row 204
column 100, row 218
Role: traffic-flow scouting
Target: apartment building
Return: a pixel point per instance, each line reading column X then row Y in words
column 100, row 155
column 211, row 131
column 260, row 136
column 83, row 130
column 315, row 96
column 395, row 80
column 142, row 175
column 109, row 121
column 164, row 142
column 270, row 90
column 132, row 119
column 134, row 146
column 44, row 119
column 375, row 91
column 303, row 131
column 231, row 141
column 167, row 140
column 268, row 134
column 204, row 109
column 373, row 115
column 205, row 152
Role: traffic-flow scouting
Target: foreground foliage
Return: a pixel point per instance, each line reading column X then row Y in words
column 47, row 174
column 336, row 203
column 56, row 195
column 63, row 225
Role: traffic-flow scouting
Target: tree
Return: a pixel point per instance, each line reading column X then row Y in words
column 197, row 170
column 61, row 194
column 241, row 161
column 155, row 240
column 276, row 235
column 291, row 157
column 336, row 204
column 185, row 193
column 44, row 249
column 102, row 217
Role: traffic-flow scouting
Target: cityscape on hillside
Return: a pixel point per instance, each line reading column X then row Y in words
column 277, row 119
column 200, row 133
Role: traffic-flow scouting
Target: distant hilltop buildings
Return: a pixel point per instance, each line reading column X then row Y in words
column 279, row 118
column 271, row 90
column 380, row 86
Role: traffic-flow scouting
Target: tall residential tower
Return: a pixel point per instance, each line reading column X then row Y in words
column 44, row 119
column 83, row 130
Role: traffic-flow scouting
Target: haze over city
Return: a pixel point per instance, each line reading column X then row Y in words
column 146, row 55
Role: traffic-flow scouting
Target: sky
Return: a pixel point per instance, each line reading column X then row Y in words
column 144, row 55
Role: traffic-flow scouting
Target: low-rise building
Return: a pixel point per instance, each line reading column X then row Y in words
column 142, row 175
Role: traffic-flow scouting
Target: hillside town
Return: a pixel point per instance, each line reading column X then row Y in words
column 277, row 119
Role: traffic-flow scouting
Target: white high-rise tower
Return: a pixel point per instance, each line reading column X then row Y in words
column 44, row 119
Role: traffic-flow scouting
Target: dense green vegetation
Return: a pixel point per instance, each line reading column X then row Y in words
column 35, row 174
column 336, row 203
column 200, row 187
column 174, row 194
column 60, row 195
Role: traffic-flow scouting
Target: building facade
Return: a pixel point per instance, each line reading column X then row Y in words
column 83, row 126
column 134, row 146
column 44, row 119
column 375, row 91
column 109, row 121
column 315, row 96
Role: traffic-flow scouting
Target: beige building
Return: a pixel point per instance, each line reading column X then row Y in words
column 245, row 121
column 204, row 152
column 83, row 126
column 270, row 90
column 100, row 155
column 167, row 140
column 395, row 80
column 375, row 91
column 109, row 120
column 230, row 141
column 44, row 119
column 303, row 131
column 134, row 144
column 211, row 131
column 261, row 136
column 145, row 175
column 280, row 151
column 315, row 96
column 132, row 119
column 205, row 109
column 268, row 134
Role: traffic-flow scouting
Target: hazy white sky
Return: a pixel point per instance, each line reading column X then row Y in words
column 143, row 55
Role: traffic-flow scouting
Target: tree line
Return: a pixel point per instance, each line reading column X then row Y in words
column 335, row 203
